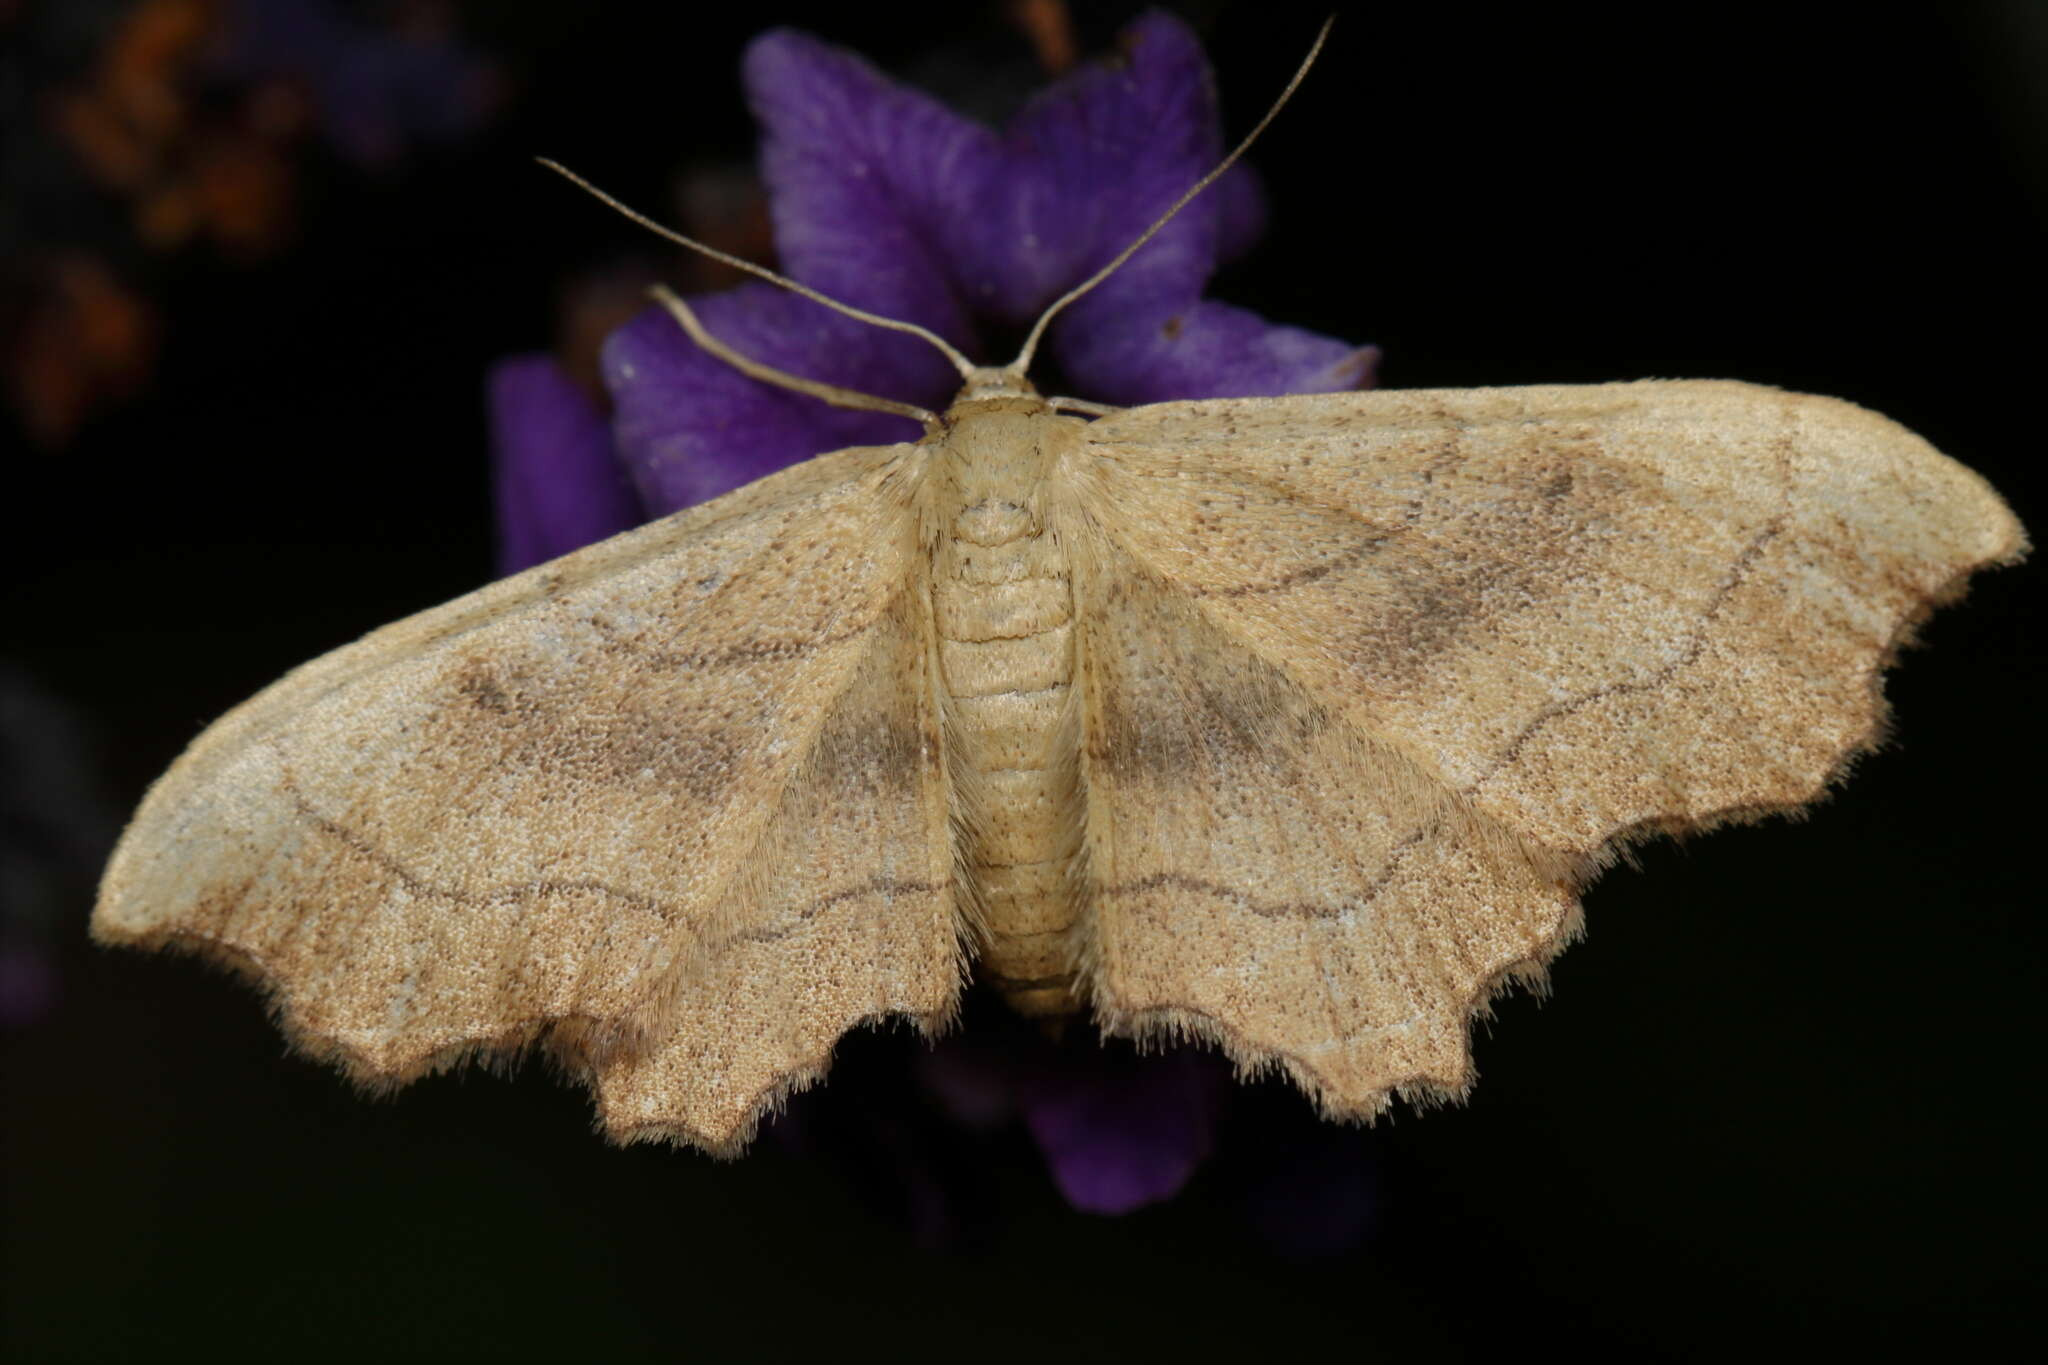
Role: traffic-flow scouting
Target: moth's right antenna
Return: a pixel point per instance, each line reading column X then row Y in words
column 1022, row 363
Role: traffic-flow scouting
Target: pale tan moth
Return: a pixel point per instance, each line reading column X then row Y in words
column 1294, row 725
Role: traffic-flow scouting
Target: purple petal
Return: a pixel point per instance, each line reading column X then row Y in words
column 1240, row 211
column 887, row 199
column 860, row 172
column 1144, row 334
column 1118, row 1130
column 1090, row 165
column 558, row 485
column 690, row 427
column 1121, row 1131
column 1086, row 167
column 1202, row 349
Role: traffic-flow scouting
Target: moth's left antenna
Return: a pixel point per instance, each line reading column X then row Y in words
column 960, row 362
column 1023, row 361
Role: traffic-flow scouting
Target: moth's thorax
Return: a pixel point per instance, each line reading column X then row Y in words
column 1011, row 436
column 1003, row 605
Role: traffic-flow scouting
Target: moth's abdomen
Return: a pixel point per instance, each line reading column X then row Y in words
column 1004, row 607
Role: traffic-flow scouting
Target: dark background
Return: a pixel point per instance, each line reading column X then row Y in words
column 1783, row 1097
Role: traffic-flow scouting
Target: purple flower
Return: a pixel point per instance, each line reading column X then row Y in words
column 374, row 88
column 886, row 200
column 1118, row 1130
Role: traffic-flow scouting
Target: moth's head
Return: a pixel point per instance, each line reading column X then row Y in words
column 985, row 382
column 989, row 391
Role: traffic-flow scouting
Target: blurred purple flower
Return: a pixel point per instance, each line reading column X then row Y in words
column 885, row 199
column 374, row 88
column 1119, row 1130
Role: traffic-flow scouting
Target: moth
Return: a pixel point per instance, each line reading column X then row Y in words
column 1293, row 725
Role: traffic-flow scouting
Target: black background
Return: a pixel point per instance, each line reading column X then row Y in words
column 1784, row 1095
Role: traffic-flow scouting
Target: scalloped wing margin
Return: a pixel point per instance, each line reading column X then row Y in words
column 1378, row 682
column 555, row 812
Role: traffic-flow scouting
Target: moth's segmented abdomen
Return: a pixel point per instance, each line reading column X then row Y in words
column 1004, row 607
